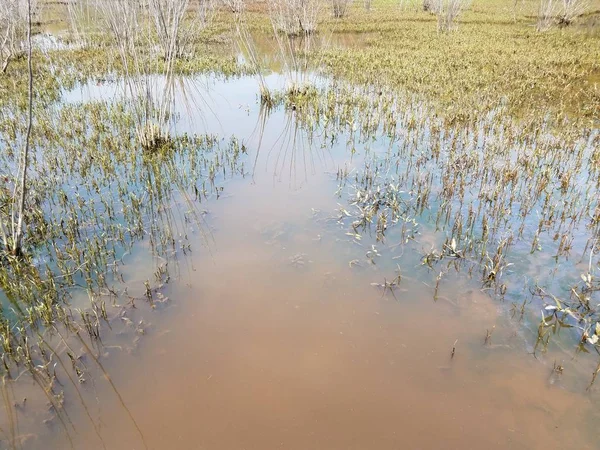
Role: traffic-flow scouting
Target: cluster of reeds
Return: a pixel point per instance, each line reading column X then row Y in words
column 340, row 8
column 561, row 13
column 295, row 17
column 13, row 29
column 446, row 11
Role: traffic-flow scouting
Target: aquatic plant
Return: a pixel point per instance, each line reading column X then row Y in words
column 495, row 189
column 79, row 235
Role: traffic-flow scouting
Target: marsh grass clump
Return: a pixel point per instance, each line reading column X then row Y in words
column 152, row 139
column 497, row 190
column 268, row 99
column 299, row 97
column 428, row 5
column 562, row 13
column 340, row 8
column 295, row 17
column 447, row 11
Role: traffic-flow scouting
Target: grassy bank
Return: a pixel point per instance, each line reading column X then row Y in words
column 491, row 59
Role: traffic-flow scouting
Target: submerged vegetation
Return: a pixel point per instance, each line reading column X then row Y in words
column 499, row 190
column 86, row 212
column 460, row 119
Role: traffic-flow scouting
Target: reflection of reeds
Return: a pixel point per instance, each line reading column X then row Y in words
column 136, row 28
column 298, row 54
column 293, row 152
column 247, row 47
column 12, row 434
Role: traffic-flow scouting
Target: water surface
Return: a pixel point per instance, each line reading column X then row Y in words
column 278, row 329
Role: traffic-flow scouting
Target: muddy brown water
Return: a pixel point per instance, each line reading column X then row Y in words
column 271, row 338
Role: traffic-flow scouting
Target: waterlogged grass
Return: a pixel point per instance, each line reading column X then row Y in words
column 494, row 58
column 60, row 69
column 492, row 134
column 486, row 136
column 490, row 60
column 94, row 195
column 499, row 192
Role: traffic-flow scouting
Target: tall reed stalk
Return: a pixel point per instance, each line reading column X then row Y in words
column 12, row 224
column 546, row 14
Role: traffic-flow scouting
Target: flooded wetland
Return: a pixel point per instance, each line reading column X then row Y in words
column 283, row 224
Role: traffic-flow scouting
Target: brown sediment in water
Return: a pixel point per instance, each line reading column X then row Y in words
column 283, row 331
column 258, row 353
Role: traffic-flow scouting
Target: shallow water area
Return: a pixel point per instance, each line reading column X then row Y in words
column 259, row 352
column 281, row 331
